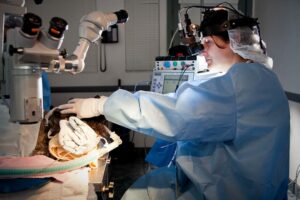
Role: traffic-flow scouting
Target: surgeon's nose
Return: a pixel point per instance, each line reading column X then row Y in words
column 204, row 53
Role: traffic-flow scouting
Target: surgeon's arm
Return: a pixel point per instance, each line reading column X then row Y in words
column 204, row 111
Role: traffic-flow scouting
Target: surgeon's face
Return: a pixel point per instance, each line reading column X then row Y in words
column 217, row 53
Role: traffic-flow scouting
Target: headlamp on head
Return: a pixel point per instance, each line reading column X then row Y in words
column 217, row 20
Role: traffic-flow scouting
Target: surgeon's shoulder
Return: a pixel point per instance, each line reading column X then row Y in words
column 246, row 68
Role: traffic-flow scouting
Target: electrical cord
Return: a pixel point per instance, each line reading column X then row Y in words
column 147, row 166
column 295, row 182
column 172, row 39
column 225, row 5
column 133, row 135
column 297, row 174
column 181, row 75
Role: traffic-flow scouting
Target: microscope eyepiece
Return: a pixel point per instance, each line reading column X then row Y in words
column 57, row 27
column 31, row 24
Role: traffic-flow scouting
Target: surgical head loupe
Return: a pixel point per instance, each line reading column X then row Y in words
column 216, row 19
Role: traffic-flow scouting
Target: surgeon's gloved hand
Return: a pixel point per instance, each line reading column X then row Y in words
column 76, row 136
column 84, row 108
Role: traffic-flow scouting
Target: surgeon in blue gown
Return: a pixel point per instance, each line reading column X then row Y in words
column 231, row 131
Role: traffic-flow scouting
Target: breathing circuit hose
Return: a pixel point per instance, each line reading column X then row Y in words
column 54, row 166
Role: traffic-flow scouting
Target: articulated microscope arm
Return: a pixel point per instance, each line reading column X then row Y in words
column 90, row 30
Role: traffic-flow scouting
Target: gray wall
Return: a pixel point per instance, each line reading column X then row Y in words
column 281, row 31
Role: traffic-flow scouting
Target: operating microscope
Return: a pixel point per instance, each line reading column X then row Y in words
column 26, row 51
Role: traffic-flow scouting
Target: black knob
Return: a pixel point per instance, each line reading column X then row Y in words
column 63, row 53
column 38, row 1
column 12, row 50
column 122, row 16
column 31, row 24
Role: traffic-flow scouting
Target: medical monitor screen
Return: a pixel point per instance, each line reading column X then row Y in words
column 171, row 81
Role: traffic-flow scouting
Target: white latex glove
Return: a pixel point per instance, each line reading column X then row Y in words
column 76, row 136
column 84, row 108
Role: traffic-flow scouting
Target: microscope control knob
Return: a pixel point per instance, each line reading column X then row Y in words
column 13, row 50
column 63, row 53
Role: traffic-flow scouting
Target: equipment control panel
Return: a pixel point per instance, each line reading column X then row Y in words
column 186, row 63
column 170, row 72
column 166, row 81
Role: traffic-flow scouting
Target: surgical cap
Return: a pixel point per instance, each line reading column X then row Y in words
column 244, row 40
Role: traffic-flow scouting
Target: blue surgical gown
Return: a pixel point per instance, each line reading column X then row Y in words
column 232, row 135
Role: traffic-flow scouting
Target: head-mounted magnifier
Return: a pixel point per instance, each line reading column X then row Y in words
column 216, row 20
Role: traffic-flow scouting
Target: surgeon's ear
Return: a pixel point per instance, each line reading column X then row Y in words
column 220, row 42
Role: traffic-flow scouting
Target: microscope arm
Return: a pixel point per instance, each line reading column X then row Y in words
column 90, row 30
